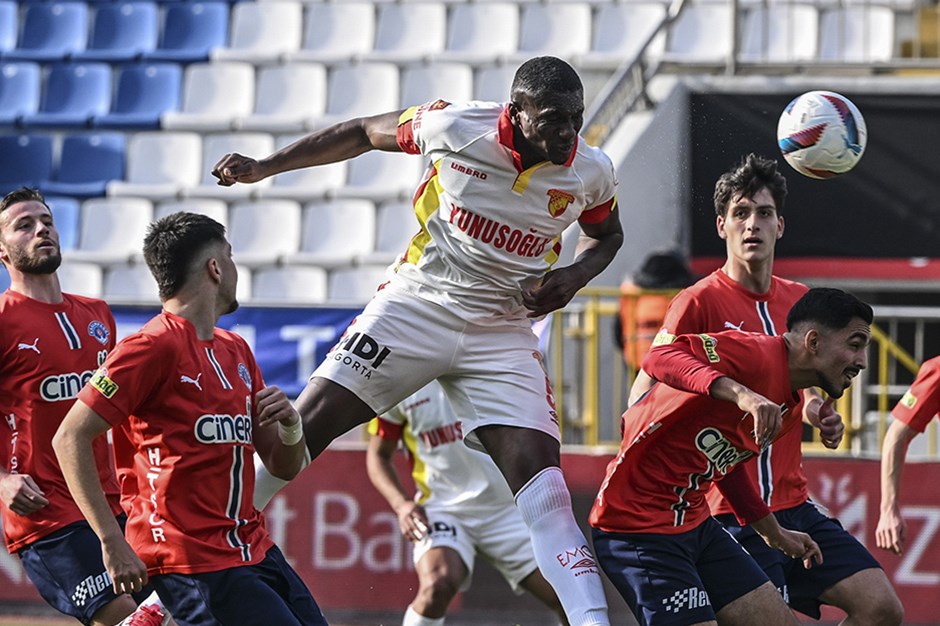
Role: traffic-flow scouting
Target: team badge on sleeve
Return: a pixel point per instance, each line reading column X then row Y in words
column 99, row 331
column 909, row 399
column 710, row 344
column 663, row 338
column 244, row 375
column 103, row 384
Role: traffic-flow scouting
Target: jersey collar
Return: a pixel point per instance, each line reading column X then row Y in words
column 507, row 139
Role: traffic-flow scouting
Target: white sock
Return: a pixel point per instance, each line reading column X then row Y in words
column 266, row 484
column 413, row 618
column 561, row 550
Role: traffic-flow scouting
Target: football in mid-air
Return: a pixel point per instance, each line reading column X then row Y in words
column 821, row 134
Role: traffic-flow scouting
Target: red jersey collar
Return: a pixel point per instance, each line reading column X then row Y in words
column 506, row 138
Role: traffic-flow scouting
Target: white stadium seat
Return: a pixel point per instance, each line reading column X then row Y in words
column 355, row 285
column 620, row 30
column 409, row 32
column 130, row 283
column 493, row 82
column 558, row 29
column 263, row 232
column 857, row 34
column 216, row 209
column 481, row 32
column 448, row 81
column 290, row 284
column 337, row 31
column 84, row 279
column 360, row 90
column 112, row 229
column 160, row 165
column 263, row 32
column 335, row 232
column 214, row 95
column 702, row 34
column 396, row 226
column 308, row 183
column 214, row 147
column 780, row 33
column 285, row 96
column 382, row 176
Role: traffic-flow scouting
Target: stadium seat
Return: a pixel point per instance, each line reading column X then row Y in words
column 409, row 32
column 335, row 232
column 25, row 161
column 216, row 209
column 382, row 176
column 559, row 29
column 244, row 287
column 214, row 95
column 396, row 226
column 144, row 92
column 84, row 279
column 263, row 232
column 448, row 81
column 51, row 31
column 779, row 33
column 191, row 30
column 123, row 31
column 355, row 285
column 160, row 165
column 66, row 214
column 358, row 90
column 4, row 279
column 337, row 31
column 214, row 147
column 20, row 86
column 112, row 229
column 288, row 285
column 9, row 24
column 131, row 284
column 73, row 95
column 481, row 32
column 492, row 83
column 857, row 34
column 285, row 96
column 87, row 164
column 702, row 34
column 619, row 32
column 263, row 32
column 307, row 183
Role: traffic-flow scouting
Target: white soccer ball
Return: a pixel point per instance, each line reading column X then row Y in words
column 821, row 134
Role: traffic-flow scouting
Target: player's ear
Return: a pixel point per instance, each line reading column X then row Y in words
column 720, row 226
column 215, row 272
column 811, row 340
column 780, row 227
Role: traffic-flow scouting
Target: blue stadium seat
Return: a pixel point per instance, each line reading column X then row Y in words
column 4, row 279
column 74, row 94
column 88, row 163
column 20, row 85
column 25, row 160
column 66, row 213
column 123, row 31
column 9, row 23
column 144, row 92
column 190, row 30
column 51, row 31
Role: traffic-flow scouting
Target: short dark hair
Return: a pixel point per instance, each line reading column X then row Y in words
column 748, row 177
column 540, row 78
column 832, row 308
column 23, row 194
column 171, row 245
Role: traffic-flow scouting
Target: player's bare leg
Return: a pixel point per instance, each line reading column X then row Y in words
column 329, row 410
column 440, row 574
column 530, row 461
column 867, row 597
column 763, row 605
column 114, row 611
column 536, row 584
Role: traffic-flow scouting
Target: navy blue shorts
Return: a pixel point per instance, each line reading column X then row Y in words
column 843, row 556
column 69, row 573
column 269, row 592
column 677, row 579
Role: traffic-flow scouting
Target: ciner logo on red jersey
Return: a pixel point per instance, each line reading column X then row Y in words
column 63, row 386
column 558, row 201
column 718, row 450
column 103, row 384
column 223, row 429
column 500, row 236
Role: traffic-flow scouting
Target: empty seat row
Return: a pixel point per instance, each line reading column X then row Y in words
column 81, row 167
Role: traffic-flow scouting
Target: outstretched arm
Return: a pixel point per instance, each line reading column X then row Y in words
column 335, row 143
column 892, row 529
column 72, row 445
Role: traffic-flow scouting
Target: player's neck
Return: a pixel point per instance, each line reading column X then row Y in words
column 197, row 311
column 802, row 373
column 41, row 287
column 754, row 276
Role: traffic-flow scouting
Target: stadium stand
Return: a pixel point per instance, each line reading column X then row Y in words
column 66, row 213
column 481, row 32
column 781, row 33
column 264, row 232
column 355, row 285
column 73, row 95
column 562, row 29
column 214, row 95
column 20, row 86
column 382, row 176
column 263, row 32
column 305, row 184
column 144, row 92
column 395, row 227
column 160, row 165
column 860, row 34
column 619, row 32
column 191, row 30
column 214, row 147
column 335, row 232
column 701, row 35
column 88, row 162
column 85, row 279
column 361, row 89
column 447, row 81
column 25, row 160
column 492, row 82
column 409, row 32
column 286, row 96
column 337, row 31
column 130, row 283
column 216, row 209
column 112, row 230
column 51, row 31
column 9, row 25
column 289, row 284
column 123, row 31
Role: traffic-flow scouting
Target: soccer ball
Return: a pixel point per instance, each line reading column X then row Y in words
column 821, row 134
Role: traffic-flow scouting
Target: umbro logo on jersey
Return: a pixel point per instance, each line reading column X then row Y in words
column 30, row 346
column 469, row 171
column 731, row 326
column 192, row 381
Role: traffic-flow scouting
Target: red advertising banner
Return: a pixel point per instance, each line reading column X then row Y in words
column 342, row 539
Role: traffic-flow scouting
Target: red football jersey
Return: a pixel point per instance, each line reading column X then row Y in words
column 921, row 402
column 676, row 443
column 186, row 407
column 47, row 353
column 717, row 303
